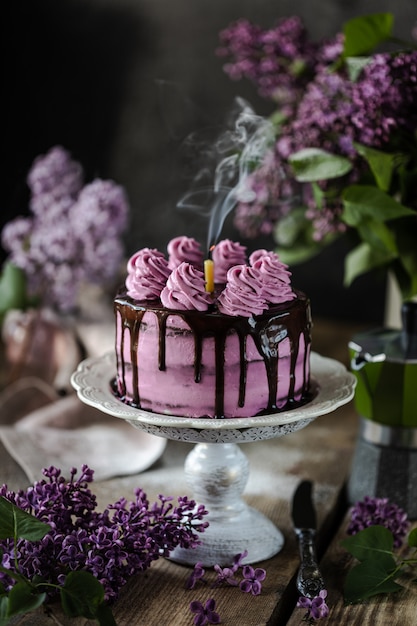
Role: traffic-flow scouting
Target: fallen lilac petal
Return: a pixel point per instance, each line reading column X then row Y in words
column 195, row 576
column 204, row 614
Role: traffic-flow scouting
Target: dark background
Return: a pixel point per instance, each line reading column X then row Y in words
column 122, row 83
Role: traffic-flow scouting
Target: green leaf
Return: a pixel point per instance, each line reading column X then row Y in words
column 365, row 201
column 298, row 253
column 4, row 603
column 293, row 235
column 313, row 164
column 368, row 579
column 12, row 574
column 374, row 542
column 277, row 118
column 382, row 164
column 379, row 236
column 83, row 595
column 22, row 599
column 292, row 228
column 104, row 615
column 17, row 523
column 412, row 538
column 355, row 65
column 13, row 293
column 364, row 33
column 362, row 259
column 377, row 569
column 406, row 237
column 403, row 280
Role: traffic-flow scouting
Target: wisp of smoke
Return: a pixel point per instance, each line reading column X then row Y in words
column 224, row 165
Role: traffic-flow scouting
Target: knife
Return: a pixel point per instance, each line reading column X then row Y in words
column 309, row 579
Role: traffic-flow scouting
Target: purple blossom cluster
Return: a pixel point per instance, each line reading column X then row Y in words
column 316, row 607
column 335, row 111
column 74, row 233
column 251, row 582
column 379, row 512
column 320, row 106
column 256, row 214
column 112, row 545
column 279, row 61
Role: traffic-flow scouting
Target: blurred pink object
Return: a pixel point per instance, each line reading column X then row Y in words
column 40, row 343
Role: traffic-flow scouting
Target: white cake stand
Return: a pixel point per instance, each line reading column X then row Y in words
column 216, row 469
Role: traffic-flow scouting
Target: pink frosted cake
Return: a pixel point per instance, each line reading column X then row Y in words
column 238, row 351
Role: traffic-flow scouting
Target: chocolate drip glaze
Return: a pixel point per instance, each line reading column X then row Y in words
column 291, row 320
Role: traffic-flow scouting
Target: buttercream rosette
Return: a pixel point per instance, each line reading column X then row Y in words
column 186, row 249
column 185, row 289
column 147, row 274
column 225, row 255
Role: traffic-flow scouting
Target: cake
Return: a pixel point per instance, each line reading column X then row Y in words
column 238, row 349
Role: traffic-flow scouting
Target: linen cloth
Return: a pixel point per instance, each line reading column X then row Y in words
column 39, row 428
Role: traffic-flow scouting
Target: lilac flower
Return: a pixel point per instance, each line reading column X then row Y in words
column 100, row 258
column 276, row 60
column 112, row 545
column 15, row 238
column 53, row 177
column 324, row 113
column 321, row 104
column 325, row 220
column 225, row 575
column 204, row 614
column 384, row 98
column 379, row 511
column 252, row 579
column 316, row 607
column 264, row 196
column 74, row 235
column 251, row 583
column 196, row 575
column 101, row 208
column 237, row 560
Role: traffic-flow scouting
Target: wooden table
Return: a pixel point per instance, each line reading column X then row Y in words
column 322, row 453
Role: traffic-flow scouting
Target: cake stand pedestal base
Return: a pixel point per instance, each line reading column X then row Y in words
column 217, row 474
column 216, row 469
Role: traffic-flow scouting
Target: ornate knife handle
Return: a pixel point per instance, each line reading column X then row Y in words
column 309, row 579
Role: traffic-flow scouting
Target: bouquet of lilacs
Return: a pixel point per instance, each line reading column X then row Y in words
column 342, row 158
column 72, row 237
column 55, row 545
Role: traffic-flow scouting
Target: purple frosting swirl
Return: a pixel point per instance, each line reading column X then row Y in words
column 225, row 255
column 275, row 276
column 184, row 249
column 243, row 294
column 185, row 289
column 147, row 274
